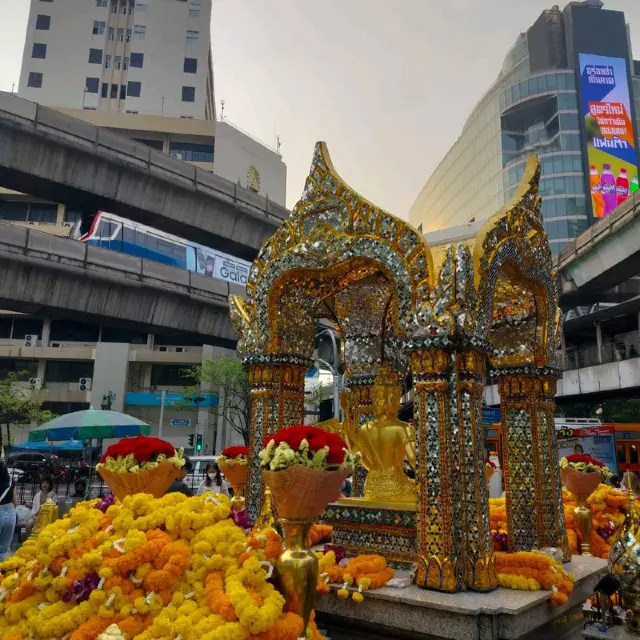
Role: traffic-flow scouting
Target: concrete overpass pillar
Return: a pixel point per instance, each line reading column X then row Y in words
column 60, row 215
column 146, row 377
column 46, row 332
column 110, row 373
column 599, row 341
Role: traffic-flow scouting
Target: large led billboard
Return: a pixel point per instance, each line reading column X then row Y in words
column 610, row 137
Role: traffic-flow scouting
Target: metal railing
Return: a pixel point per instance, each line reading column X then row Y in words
column 625, row 347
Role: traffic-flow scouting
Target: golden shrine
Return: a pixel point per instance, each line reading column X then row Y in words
column 452, row 316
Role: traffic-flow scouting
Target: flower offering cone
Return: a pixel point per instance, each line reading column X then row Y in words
column 582, row 485
column 155, row 481
column 237, row 474
column 300, row 494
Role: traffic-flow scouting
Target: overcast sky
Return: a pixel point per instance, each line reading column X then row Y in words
column 386, row 83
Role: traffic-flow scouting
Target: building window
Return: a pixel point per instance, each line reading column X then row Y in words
column 188, row 94
column 137, row 60
column 105, row 89
column 35, row 80
column 141, row 5
column 101, row 3
column 123, row 9
column 107, row 61
column 98, row 27
column 95, row 56
column 194, row 9
column 39, row 50
column 117, row 62
column 192, row 152
column 134, row 89
column 43, row 23
column 92, row 85
column 128, row 35
column 121, row 35
column 123, row 91
column 192, row 37
column 112, row 33
column 114, row 91
column 139, row 32
column 131, row 6
column 114, row 6
column 125, row 63
column 191, row 65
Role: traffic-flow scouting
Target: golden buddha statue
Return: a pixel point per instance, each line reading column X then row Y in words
column 385, row 442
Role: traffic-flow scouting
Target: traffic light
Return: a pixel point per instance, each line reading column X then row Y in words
column 191, row 439
column 199, row 443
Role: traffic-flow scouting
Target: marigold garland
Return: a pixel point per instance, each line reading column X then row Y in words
column 525, row 569
column 167, row 568
column 607, row 505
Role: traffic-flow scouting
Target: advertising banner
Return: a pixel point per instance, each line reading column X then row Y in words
column 597, row 441
column 610, row 133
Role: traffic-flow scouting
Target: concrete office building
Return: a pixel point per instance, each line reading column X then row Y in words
column 72, row 365
column 143, row 69
column 136, row 56
column 536, row 105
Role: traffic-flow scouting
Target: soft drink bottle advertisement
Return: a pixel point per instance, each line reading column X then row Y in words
column 610, row 135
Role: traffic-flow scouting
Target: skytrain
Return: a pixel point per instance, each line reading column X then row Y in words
column 119, row 234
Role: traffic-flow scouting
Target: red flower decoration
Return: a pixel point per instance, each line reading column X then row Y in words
column 583, row 457
column 235, row 452
column 317, row 438
column 143, row 448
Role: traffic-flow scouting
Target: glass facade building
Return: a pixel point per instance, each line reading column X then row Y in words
column 532, row 107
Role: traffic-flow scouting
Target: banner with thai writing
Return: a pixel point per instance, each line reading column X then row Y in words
column 610, row 132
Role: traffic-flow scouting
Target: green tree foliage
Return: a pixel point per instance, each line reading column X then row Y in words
column 18, row 406
column 228, row 378
column 623, row 410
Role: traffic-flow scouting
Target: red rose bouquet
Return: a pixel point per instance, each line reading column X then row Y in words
column 305, row 467
column 140, row 465
column 233, row 461
column 234, row 455
column 307, row 446
column 585, row 463
column 582, row 474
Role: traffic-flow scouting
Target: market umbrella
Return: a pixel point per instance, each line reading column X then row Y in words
column 88, row 424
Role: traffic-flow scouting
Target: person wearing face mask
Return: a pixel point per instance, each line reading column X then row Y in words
column 213, row 481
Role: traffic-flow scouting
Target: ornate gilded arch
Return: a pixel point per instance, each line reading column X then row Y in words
column 333, row 239
column 514, row 277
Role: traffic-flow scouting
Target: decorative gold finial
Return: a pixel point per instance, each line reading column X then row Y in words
column 266, row 518
column 387, row 377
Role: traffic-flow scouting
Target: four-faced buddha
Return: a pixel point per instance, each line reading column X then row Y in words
column 385, row 443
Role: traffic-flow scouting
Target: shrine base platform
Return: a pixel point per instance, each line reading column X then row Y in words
column 417, row 614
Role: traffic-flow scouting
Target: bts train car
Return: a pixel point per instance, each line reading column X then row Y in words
column 119, row 234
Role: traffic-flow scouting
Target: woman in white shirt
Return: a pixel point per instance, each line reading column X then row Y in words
column 213, row 481
column 46, row 493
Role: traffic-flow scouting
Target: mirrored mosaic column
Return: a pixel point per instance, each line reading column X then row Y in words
column 479, row 559
column 535, row 514
column 276, row 390
column 553, row 533
column 359, row 394
column 438, row 532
